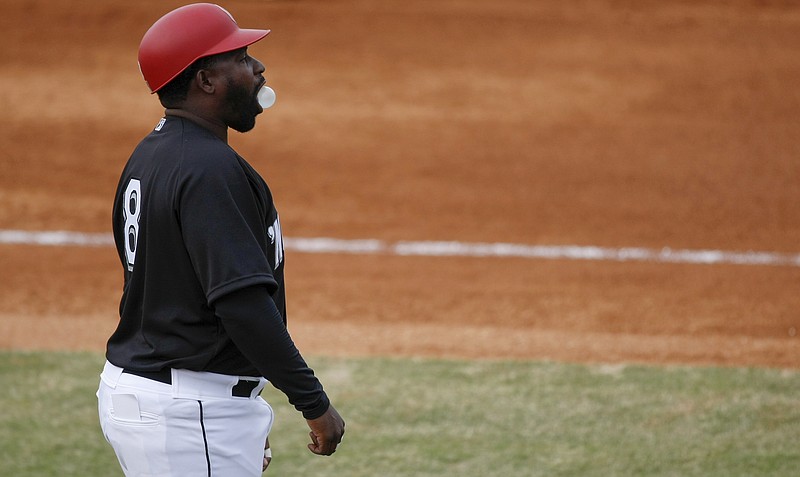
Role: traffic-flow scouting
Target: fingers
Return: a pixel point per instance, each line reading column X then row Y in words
column 267, row 458
column 314, row 446
column 322, row 446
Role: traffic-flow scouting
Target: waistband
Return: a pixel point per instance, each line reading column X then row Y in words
column 182, row 383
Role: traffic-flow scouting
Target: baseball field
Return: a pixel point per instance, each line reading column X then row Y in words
column 495, row 194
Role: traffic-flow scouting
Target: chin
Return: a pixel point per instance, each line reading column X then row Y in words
column 244, row 125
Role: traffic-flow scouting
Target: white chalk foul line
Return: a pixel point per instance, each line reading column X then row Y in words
column 451, row 249
column 57, row 238
column 576, row 252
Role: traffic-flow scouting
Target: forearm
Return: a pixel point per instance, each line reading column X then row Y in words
column 256, row 327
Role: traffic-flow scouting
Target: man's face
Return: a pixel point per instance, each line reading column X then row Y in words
column 243, row 79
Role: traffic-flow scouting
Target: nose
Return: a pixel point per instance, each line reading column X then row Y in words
column 258, row 67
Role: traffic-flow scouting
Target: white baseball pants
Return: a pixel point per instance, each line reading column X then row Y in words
column 192, row 427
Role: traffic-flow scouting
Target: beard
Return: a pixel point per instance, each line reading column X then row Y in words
column 242, row 107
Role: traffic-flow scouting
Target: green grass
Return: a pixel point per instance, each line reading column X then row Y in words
column 454, row 418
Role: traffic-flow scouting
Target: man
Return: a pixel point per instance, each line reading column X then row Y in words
column 202, row 315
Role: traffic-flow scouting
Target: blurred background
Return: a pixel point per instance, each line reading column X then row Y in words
column 594, row 123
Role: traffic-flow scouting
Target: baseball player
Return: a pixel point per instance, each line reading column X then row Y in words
column 203, row 313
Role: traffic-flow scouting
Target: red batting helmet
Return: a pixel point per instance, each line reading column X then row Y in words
column 186, row 34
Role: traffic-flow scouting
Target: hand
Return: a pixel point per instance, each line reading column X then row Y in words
column 267, row 459
column 326, row 432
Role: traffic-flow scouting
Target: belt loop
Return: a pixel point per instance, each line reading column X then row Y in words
column 111, row 374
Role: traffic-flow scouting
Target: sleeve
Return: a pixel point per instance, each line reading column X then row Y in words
column 222, row 229
column 252, row 321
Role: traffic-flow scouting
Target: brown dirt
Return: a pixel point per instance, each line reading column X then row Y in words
column 607, row 123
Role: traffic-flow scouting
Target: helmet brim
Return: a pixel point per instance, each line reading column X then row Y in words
column 238, row 39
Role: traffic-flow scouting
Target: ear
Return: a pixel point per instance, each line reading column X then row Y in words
column 205, row 81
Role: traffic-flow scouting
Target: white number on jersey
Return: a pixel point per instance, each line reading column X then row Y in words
column 132, row 208
column 276, row 238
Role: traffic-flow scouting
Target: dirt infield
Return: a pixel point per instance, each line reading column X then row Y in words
column 607, row 123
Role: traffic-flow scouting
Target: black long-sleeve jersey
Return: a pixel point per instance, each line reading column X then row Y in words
column 201, row 247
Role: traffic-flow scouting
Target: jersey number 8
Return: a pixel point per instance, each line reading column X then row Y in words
column 130, row 212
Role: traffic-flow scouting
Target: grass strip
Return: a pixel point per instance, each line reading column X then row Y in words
column 415, row 417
